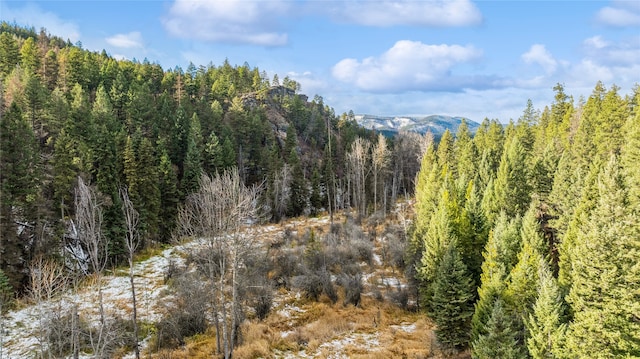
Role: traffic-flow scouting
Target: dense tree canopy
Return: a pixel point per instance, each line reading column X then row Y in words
column 559, row 198
column 69, row 113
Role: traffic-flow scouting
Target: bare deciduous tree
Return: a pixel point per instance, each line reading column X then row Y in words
column 357, row 163
column 131, row 219
column 217, row 213
column 408, row 150
column 380, row 161
column 48, row 279
column 89, row 227
column 280, row 190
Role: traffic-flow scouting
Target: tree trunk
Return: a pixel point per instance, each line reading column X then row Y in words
column 136, row 347
column 74, row 332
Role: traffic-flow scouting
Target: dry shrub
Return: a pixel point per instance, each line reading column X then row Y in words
column 330, row 325
column 196, row 347
column 186, row 316
column 393, row 250
column 285, row 264
column 410, row 344
column 257, row 339
column 352, row 285
column 315, row 283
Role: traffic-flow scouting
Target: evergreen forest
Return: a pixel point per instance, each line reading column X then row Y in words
column 524, row 240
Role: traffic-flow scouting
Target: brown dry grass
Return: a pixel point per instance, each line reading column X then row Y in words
column 375, row 329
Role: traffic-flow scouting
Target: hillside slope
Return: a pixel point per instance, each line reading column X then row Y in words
column 296, row 326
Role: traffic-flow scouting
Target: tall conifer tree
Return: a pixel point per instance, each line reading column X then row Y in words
column 605, row 273
column 544, row 325
column 452, row 302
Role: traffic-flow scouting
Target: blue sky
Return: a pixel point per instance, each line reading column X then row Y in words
column 460, row 57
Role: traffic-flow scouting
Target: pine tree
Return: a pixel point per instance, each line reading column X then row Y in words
column 436, row 240
column 500, row 340
column 511, row 189
column 466, row 153
column 179, row 137
column 499, row 257
column 478, row 232
column 489, row 140
column 428, row 182
column 148, row 193
column 605, row 272
column 9, row 54
column 524, row 281
column 169, row 199
column 579, row 219
column 630, row 154
column 542, row 172
column 452, row 302
column 213, row 161
column 445, row 152
column 192, row 168
column 544, row 325
column 18, row 191
column 611, row 118
column 29, row 56
column 50, row 70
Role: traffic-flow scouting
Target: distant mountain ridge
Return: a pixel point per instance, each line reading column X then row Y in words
column 437, row 124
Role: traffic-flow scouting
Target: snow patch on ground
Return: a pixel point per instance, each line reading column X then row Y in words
column 405, row 327
column 364, row 341
column 290, row 311
column 22, row 328
column 377, row 260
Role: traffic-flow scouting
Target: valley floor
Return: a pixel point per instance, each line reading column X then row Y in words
column 295, row 328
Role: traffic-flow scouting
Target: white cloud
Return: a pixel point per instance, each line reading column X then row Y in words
column 127, row 41
column 436, row 13
column 607, row 53
column 620, row 14
column 608, row 61
column 241, row 21
column 310, row 83
column 413, row 66
column 32, row 15
column 596, row 42
column 538, row 54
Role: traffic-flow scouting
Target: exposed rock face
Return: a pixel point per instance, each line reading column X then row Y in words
column 271, row 101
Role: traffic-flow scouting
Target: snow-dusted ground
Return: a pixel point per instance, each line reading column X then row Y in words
column 22, row 327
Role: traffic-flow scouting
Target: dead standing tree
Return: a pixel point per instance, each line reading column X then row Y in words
column 131, row 219
column 47, row 279
column 217, row 213
column 89, row 227
column 380, row 160
column 358, row 166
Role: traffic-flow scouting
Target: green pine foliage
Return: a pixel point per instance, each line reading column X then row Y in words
column 6, row 293
column 438, row 238
column 604, row 272
column 501, row 337
column 451, row 306
column 545, row 323
column 169, row 198
column 499, row 257
column 630, row 153
column 511, row 190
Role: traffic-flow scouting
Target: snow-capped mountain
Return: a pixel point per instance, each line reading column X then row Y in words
column 437, row 124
